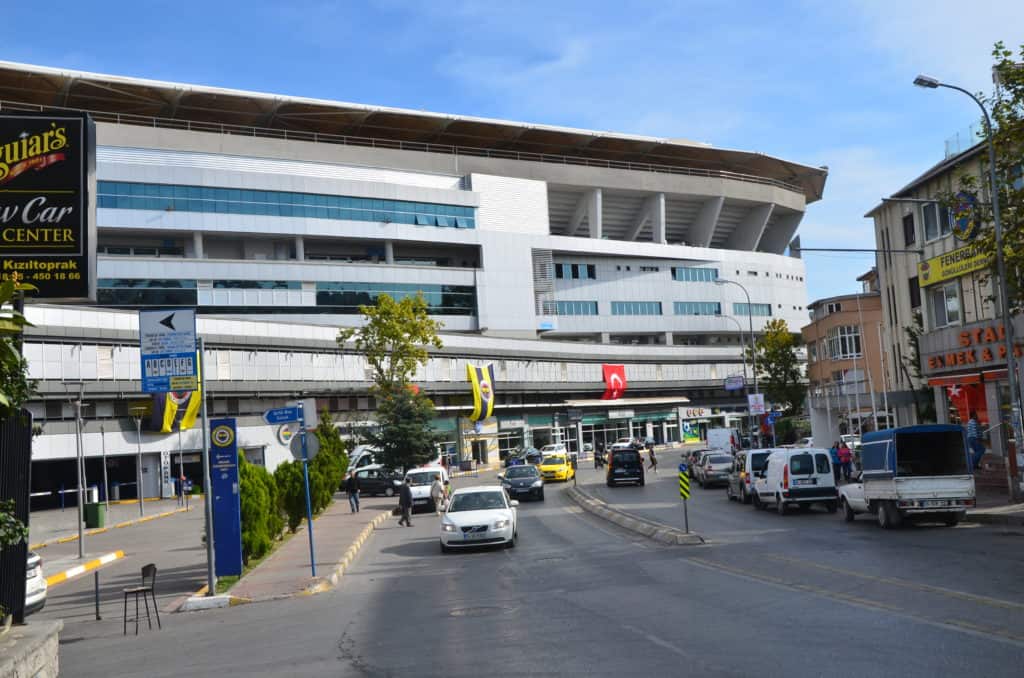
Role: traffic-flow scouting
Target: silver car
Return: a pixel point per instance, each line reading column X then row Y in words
column 714, row 469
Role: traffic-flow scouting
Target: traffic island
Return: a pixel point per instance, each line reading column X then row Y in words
column 658, row 532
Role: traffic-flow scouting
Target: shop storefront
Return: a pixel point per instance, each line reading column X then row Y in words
column 966, row 368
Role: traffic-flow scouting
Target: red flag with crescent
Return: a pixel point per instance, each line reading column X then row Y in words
column 614, row 381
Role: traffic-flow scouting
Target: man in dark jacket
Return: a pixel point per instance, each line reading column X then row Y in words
column 352, row 489
column 405, row 503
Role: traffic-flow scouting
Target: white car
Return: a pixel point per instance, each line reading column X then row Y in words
column 477, row 516
column 35, row 584
column 420, row 481
column 796, row 478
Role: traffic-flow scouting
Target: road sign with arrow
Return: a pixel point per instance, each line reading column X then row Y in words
column 167, row 347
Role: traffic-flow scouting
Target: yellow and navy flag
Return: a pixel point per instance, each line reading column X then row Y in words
column 482, row 380
column 175, row 410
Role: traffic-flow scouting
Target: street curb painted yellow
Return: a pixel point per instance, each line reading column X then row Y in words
column 72, row 572
column 332, row 580
column 101, row 530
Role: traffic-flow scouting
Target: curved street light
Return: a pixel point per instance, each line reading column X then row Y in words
column 929, row 82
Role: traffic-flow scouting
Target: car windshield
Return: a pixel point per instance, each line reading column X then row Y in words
column 553, row 461
column 801, row 465
column 758, row 461
column 521, row 472
column 720, row 459
column 423, row 478
column 477, row 501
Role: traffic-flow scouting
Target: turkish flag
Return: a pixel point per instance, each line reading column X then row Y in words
column 968, row 397
column 614, row 381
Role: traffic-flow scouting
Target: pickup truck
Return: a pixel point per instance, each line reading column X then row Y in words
column 912, row 473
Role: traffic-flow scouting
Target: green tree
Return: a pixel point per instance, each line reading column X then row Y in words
column 261, row 518
column 291, row 492
column 780, row 372
column 15, row 386
column 395, row 340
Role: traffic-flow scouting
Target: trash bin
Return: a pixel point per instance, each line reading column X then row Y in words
column 115, row 491
column 95, row 515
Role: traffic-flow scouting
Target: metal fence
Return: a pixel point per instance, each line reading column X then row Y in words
column 15, row 480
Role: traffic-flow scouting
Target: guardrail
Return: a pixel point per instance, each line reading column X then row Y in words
column 393, row 144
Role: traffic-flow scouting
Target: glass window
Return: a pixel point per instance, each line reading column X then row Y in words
column 755, row 309
column 945, row 303
column 693, row 274
column 821, row 463
column 936, row 221
column 844, row 342
column 915, row 292
column 909, row 234
column 636, row 308
column 697, row 308
column 592, row 271
column 576, row 307
column 346, row 297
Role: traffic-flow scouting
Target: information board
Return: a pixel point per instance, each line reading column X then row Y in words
column 48, row 204
column 227, row 509
column 167, row 348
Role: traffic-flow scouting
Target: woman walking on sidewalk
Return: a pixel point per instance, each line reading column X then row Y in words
column 352, row 489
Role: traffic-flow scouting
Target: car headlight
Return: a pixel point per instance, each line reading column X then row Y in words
column 447, row 527
column 538, row 483
column 500, row 524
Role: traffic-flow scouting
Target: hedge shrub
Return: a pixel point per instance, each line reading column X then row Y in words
column 261, row 518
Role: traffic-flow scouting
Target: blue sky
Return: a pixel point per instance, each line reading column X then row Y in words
column 820, row 83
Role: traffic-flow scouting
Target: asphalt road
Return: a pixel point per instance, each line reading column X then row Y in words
column 804, row 595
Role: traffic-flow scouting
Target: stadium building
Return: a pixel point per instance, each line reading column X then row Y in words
column 544, row 250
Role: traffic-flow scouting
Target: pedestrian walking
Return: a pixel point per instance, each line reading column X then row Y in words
column 352, row 490
column 846, row 462
column 654, row 460
column 974, row 443
column 437, row 494
column 834, row 454
column 405, row 503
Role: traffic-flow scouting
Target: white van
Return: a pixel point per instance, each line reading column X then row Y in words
column 420, row 479
column 796, row 477
column 724, row 439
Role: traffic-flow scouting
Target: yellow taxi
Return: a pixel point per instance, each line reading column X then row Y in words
column 556, row 467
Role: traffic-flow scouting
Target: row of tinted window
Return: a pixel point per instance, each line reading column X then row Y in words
column 697, row 308
column 636, row 308
column 441, row 299
column 576, row 307
column 713, row 308
column 576, row 271
column 693, row 274
column 167, row 197
column 755, row 309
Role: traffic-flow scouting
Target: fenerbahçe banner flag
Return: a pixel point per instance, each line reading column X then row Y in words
column 175, row 410
column 482, row 380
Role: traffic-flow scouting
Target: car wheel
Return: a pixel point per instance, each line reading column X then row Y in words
column 643, row 481
column 389, row 492
column 756, row 498
column 888, row 518
column 609, row 483
column 511, row 543
column 952, row 519
column 445, row 549
column 541, row 495
column 831, row 506
column 848, row 514
column 780, row 505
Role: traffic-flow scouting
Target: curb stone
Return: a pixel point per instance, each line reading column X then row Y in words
column 664, row 534
column 78, row 570
column 101, row 530
column 332, row 580
column 1012, row 519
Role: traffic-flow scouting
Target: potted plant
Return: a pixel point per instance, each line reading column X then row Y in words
column 12, row 533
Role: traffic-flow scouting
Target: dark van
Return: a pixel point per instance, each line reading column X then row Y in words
column 625, row 466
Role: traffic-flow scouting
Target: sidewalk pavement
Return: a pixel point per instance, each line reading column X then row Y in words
column 994, row 509
column 335, row 533
column 49, row 527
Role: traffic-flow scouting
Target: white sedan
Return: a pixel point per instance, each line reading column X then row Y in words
column 477, row 516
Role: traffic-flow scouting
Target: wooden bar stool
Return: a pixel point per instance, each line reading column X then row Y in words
column 146, row 590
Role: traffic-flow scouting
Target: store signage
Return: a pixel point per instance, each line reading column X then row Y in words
column 951, row 265
column 755, row 403
column 734, row 383
column 980, row 345
column 963, row 216
column 620, row 414
column 694, row 412
column 511, row 423
column 575, row 414
column 48, row 204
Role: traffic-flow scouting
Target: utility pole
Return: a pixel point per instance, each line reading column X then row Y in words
column 80, row 459
column 106, row 485
column 137, row 416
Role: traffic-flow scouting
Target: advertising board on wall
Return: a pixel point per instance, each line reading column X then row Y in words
column 48, row 203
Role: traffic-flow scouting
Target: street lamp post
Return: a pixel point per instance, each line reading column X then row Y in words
column 1011, row 360
column 742, row 343
column 750, row 324
column 137, row 416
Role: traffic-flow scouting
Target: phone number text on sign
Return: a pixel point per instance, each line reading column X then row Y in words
column 177, row 371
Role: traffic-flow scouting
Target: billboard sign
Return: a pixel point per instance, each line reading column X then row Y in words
column 167, row 348
column 734, row 383
column 755, row 403
column 48, row 204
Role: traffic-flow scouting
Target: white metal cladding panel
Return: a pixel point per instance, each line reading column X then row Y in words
column 236, row 163
column 511, row 205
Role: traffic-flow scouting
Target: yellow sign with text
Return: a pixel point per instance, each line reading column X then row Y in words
column 951, row 265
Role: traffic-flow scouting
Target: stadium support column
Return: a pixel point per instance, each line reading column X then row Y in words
column 197, row 245
column 300, row 248
column 389, row 252
column 594, row 213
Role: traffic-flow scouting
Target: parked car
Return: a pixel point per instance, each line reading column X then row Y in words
column 796, row 478
column 912, row 473
column 523, row 481
column 477, row 516
column 420, row 480
column 724, row 439
column 714, row 469
column 692, row 459
column 624, row 466
column 35, row 584
column 375, row 479
column 516, row 457
column 533, row 455
column 556, row 466
column 804, row 442
column 741, row 477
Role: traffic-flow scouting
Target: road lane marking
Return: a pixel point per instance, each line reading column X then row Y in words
column 950, row 624
column 903, row 583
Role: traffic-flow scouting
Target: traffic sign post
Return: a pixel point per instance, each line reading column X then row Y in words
column 167, row 350
column 684, row 492
column 286, row 415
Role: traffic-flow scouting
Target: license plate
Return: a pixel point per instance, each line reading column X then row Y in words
column 470, row 536
column 419, row 501
column 932, row 503
column 804, row 481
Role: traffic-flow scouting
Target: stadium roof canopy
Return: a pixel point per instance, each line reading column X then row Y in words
column 167, row 104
